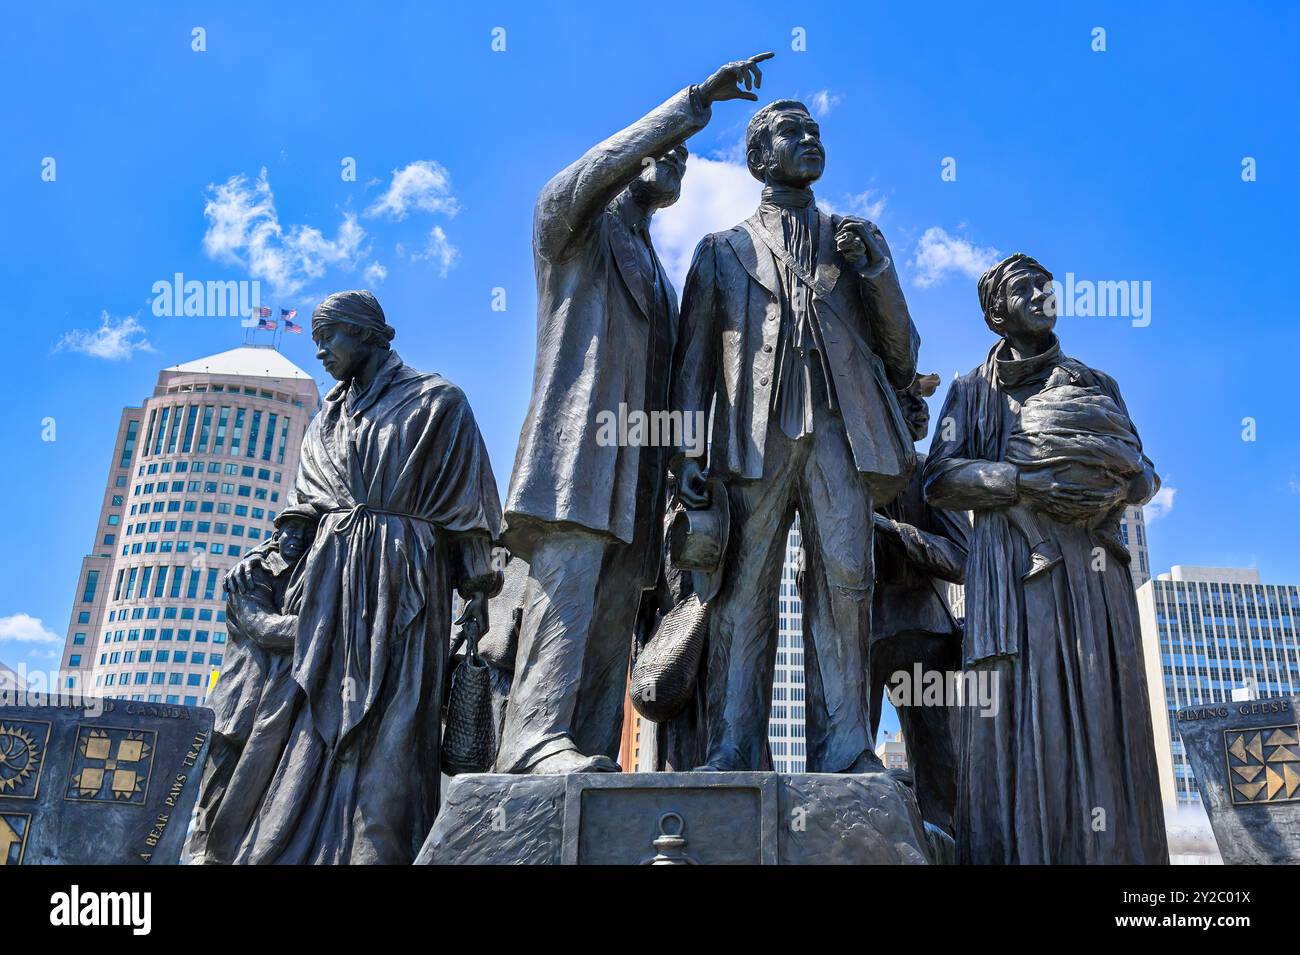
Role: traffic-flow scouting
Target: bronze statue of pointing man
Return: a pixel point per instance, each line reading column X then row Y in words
column 587, row 513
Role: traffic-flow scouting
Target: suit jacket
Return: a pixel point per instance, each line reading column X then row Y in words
column 594, row 309
column 912, row 574
column 727, row 348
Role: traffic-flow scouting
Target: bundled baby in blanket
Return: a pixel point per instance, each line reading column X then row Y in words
column 1082, row 434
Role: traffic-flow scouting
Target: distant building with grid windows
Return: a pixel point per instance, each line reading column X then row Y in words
column 1133, row 528
column 198, row 472
column 1212, row 635
column 785, row 725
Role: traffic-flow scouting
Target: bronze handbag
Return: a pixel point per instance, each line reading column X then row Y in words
column 664, row 674
column 666, row 670
column 468, row 742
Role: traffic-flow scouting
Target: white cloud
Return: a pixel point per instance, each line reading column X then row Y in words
column 375, row 273
column 1160, row 505
column 938, row 253
column 439, row 249
column 114, row 340
column 716, row 195
column 25, row 628
column 868, row 204
column 244, row 229
column 424, row 185
column 823, row 101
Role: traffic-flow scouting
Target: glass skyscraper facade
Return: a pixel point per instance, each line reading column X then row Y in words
column 197, row 475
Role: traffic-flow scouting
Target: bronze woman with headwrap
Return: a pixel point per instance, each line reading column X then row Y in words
column 1063, row 770
column 396, row 471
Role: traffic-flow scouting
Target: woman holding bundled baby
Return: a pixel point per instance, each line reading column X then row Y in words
column 1040, row 447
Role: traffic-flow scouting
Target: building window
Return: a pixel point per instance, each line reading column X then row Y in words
column 128, row 446
column 92, row 582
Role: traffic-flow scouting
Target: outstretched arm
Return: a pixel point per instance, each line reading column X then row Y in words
column 940, row 552
column 570, row 202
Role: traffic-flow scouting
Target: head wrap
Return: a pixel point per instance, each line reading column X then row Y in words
column 358, row 308
column 992, row 281
column 301, row 512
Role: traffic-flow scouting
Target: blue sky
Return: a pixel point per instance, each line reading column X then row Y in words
column 1117, row 165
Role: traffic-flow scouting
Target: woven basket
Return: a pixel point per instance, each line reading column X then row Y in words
column 468, row 745
column 663, row 677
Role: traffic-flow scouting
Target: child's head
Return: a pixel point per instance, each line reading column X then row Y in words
column 295, row 528
column 911, row 401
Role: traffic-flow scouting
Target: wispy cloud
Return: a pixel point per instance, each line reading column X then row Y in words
column 438, row 248
column 1160, row 505
column 24, row 628
column 823, row 101
column 116, row 339
column 939, row 254
column 375, row 273
column 424, row 185
column 868, row 204
column 244, row 229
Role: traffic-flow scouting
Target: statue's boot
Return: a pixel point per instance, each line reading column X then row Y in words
column 572, row 761
column 867, row 762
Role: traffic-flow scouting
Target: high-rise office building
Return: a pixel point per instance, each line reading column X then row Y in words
column 1212, row 635
column 1133, row 528
column 785, row 725
column 198, row 472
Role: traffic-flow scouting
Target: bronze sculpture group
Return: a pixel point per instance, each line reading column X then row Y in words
column 794, row 339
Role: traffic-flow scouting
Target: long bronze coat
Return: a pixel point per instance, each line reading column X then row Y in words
column 594, row 309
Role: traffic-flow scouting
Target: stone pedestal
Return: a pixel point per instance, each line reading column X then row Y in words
column 1246, row 757
column 677, row 818
column 111, row 782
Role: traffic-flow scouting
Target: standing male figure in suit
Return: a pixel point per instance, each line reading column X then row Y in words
column 586, row 511
column 795, row 331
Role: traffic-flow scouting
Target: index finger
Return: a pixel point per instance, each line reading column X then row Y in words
column 761, row 57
